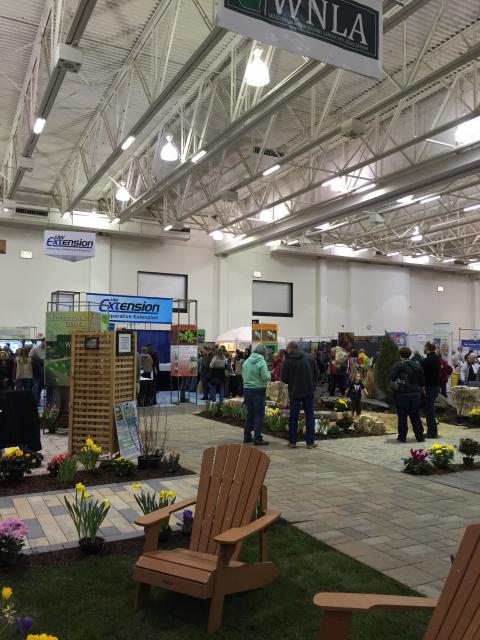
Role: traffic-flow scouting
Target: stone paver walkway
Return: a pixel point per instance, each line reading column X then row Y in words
column 348, row 493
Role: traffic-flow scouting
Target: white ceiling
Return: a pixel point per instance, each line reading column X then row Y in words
column 167, row 57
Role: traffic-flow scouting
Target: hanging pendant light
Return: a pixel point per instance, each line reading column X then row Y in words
column 122, row 194
column 169, row 152
column 257, row 73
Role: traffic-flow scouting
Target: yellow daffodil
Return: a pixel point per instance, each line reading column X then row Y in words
column 85, row 495
column 106, row 503
column 6, row 593
column 136, row 485
column 40, row 636
column 80, row 487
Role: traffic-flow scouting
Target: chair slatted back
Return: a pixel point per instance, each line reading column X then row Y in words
column 457, row 615
column 231, row 479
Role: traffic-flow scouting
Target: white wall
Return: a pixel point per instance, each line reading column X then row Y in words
column 328, row 295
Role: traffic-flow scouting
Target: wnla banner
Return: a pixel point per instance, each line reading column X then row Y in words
column 69, row 245
column 344, row 33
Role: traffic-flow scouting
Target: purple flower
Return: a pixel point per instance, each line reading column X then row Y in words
column 187, row 515
column 13, row 528
column 23, row 624
column 419, row 454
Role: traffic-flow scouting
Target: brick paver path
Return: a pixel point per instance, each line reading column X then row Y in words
column 347, row 493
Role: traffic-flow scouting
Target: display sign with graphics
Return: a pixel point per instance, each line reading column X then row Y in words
column 184, row 361
column 59, row 328
column 344, row 33
column 126, row 420
column 69, row 245
column 399, row 337
column 17, row 333
column 132, row 308
column 442, row 337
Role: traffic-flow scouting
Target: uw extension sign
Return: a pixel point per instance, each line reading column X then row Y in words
column 69, row 245
column 132, row 308
column 344, row 33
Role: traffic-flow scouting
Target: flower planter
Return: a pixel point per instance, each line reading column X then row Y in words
column 468, row 462
column 439, row 465
column 165, row 535
column 148, row 462
column 89, row 547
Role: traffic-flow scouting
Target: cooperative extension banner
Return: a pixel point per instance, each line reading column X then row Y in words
column 69, row 245
column 132, row 308
column 343, row 33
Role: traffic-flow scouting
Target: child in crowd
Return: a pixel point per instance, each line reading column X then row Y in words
column 354, row 392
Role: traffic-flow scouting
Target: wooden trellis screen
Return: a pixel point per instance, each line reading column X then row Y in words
column 98, row 379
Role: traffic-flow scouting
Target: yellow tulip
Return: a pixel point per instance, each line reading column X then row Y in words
column 6, row 593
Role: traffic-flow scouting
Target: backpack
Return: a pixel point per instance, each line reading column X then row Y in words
column 403, row 380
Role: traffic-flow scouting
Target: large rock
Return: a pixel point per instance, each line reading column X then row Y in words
column 278, row 392
column 372, row 425
column 465, row 399
column 441, row 403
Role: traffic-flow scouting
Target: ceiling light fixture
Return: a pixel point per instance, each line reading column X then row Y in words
column 122, row 194
column 168, row 227
column 417, row 236
column 115, row 221
column 129, row 141
column 405, row 200
column 66, row 214
column 199, row 155
column 468, row 131
column 430, row 199
column 217, row 235
column 272, row 169
column 337, row 185
column 39, row 125
column 271, row 243
column 449, row 260
column 290, row 242
column 168, row 152
column 445, row 144
column 329, row 246
column 240, row 237
column 324, row 227
column 394, row 253
column 257, row 73
column 472, row 207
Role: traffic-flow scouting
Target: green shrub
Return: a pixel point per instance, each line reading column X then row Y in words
column 388, row 356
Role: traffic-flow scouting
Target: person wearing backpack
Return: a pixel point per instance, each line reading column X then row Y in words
column 431, row 371
column 407, row 381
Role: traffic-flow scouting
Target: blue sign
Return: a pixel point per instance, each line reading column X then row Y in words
column 473, row 345
column 132, row 308
column 400, row 337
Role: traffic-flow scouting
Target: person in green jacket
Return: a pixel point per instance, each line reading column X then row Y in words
column 255, row 379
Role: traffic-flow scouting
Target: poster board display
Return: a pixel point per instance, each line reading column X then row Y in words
column 266, row 334
column 126, row 421
column 442, row 338
column 184, row 360
column 59, row 328
column 399, row 337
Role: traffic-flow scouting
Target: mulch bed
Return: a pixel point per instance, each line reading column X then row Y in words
column 234, row 422
column 452, row 468
column 44, row 482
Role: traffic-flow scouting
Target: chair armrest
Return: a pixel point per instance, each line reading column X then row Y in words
column 365, row 602
column 155, row 517
column 237, row 534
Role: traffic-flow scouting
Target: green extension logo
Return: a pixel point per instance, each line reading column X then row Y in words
column 250, row 5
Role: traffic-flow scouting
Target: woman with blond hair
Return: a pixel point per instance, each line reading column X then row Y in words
column 23, row 369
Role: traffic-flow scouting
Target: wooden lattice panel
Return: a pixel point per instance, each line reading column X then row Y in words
column 98, row 379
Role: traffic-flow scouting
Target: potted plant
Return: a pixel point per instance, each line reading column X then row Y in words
column 148, row 502
column 441, row 455
column 87, row 515
column 345, row 422
column 89, row 455
column 187, row 522
column 474, row 416
column 417, row 464
column 469, row 449
column 152, row 449
column 14, row 463
column 12, row 534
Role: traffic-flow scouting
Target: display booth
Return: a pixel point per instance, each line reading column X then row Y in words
column 184, row 352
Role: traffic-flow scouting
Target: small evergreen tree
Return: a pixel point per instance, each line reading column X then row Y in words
column 388, row 356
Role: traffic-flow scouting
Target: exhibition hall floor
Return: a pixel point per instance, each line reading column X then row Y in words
column 348, row 493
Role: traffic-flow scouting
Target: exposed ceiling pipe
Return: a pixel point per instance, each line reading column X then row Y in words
column 76, row 31
column 299, row 81
column 448, row 167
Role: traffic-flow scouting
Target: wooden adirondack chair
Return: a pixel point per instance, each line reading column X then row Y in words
column 231, row 483
column 456, row 613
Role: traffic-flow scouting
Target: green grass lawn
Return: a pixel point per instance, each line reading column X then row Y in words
column 91, row 599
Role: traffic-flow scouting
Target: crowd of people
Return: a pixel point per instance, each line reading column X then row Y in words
column 24, row 369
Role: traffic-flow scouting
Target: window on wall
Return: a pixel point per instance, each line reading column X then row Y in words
column 163, row 285
column 272, row 298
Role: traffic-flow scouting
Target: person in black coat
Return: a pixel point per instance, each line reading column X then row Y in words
column 431, row 369
column 354, row 392
column 407, row 382
column 300, row 372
